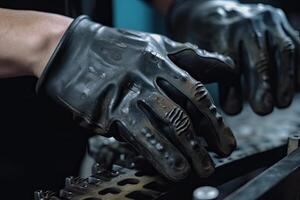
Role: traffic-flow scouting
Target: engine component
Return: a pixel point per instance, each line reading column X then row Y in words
column 261, row 186
column 261, row 143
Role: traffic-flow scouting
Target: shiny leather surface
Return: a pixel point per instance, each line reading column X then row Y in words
column 125, row 84
column 260, row 40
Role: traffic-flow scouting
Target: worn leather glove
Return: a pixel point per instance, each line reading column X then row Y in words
column 122, row 83
column 260, row 40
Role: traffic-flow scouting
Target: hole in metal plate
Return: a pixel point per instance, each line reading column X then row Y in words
column 156, row 187
column 111, row 190
column 128, row 181
column 140, row 195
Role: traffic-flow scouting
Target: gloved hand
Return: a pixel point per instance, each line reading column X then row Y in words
column 260, row 40
column 122, row 83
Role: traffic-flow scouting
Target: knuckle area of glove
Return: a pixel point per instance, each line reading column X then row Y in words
column 178, row 120
column 286, row 46
column 166, row 153
column 261, row 64
column 206, row 106
column 200, row 95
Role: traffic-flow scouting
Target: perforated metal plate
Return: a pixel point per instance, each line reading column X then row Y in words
column 261, row 141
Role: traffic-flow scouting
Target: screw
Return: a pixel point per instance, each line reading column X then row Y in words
column 293, row 143
column 206, row 193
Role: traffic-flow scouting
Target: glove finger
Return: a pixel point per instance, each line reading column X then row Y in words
column 208, row 123
column 257, row 73
column 294, row 35
column 210, row 67
column 177, row 125
column 283, row 74
column 230, row 96
column 153, row 146
column 204, row 66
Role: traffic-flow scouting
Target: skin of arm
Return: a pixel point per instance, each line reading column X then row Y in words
column 28, row 39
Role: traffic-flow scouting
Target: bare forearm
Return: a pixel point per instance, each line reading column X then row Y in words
column 27, row 40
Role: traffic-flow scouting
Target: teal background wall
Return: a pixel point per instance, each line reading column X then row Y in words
column 137, row 15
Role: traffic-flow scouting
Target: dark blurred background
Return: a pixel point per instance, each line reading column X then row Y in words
column 29, row 152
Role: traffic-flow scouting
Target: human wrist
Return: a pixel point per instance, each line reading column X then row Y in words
column 48, row 41
column 27, row 40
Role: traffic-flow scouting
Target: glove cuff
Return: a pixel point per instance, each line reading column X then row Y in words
column 56, row 58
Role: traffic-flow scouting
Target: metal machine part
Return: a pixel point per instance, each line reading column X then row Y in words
column 293, row 142
column 262, row 186
column 205, row 193
column 261, row 143
column 122, row 184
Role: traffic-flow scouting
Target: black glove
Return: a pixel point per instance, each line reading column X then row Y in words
column 260, row 40
column 122, row 83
